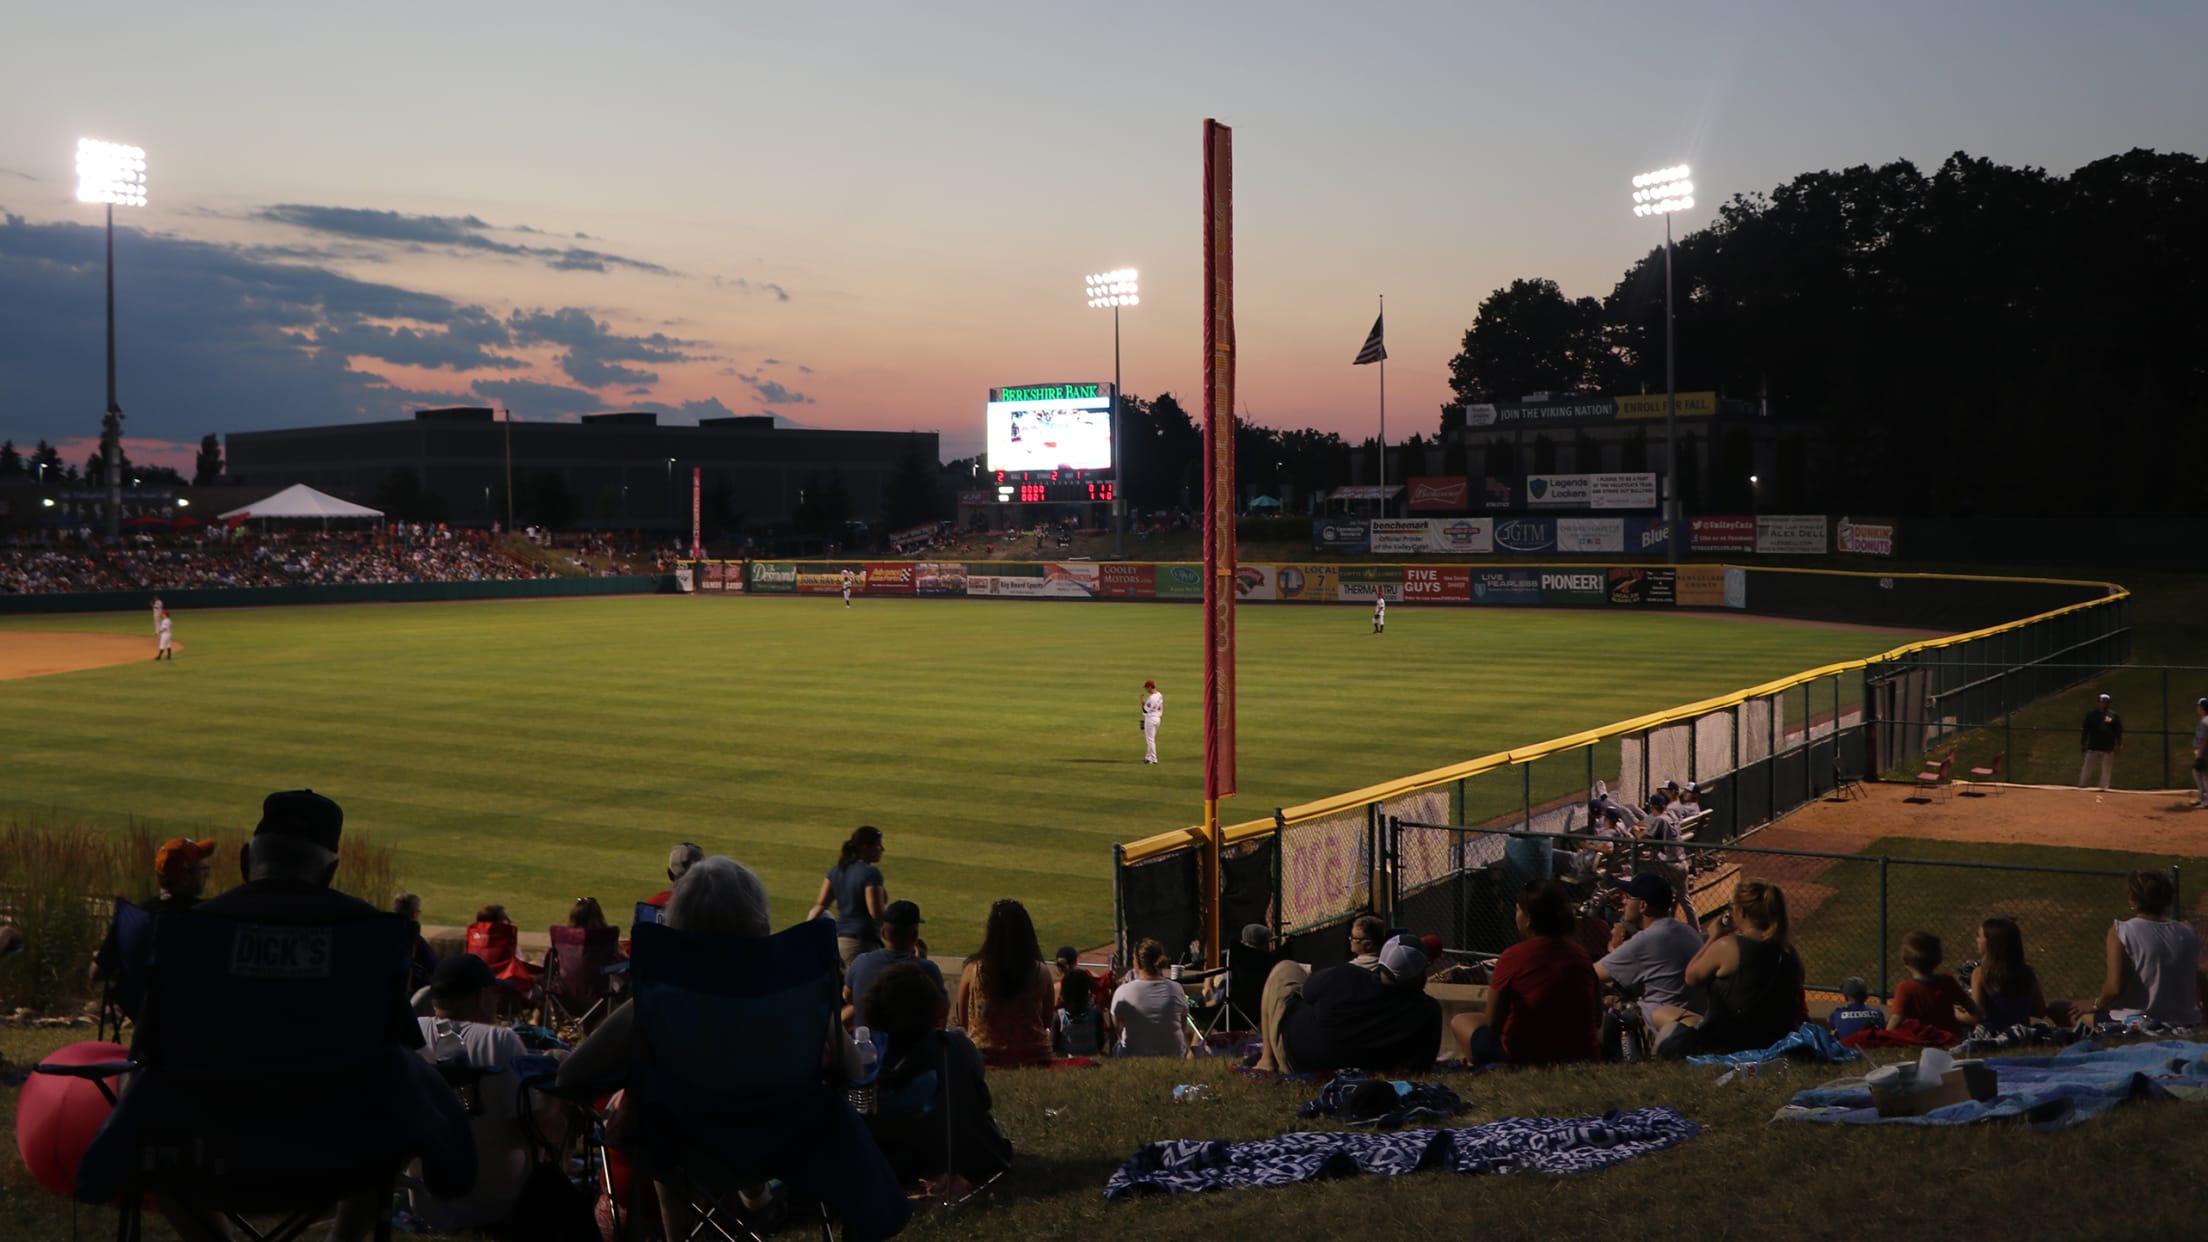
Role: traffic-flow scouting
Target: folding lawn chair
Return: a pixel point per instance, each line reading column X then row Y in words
column 123, row 989
column 932, row 1116
column 582, row 971
column 1935, row 776
column 714, row 1115
column 499, row 945
column 266, row 1079
column 1845, row 785
column 1990, row 774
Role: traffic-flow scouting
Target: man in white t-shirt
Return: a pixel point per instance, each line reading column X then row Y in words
column 1379, row 614
column 466, row 1029
column 1153, row 711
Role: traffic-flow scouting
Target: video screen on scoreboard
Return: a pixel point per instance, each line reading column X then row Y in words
column 1050, row 427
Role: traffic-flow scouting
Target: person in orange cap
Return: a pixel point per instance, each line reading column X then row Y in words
column 181, row 868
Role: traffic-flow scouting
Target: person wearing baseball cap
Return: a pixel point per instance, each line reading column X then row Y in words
column 900, row 940
column 181, row 869
column 679, row 860
column 475, row 1052
column 2101, row 739
column 1378, row 1018
column 1153, row 712
column 1649, row 963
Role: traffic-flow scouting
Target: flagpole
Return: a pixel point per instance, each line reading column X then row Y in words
column 1383, row 506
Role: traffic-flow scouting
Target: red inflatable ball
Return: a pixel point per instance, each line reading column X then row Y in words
column 56, row 1117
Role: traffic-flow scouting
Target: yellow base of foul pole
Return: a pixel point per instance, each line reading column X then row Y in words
column 1215, row 889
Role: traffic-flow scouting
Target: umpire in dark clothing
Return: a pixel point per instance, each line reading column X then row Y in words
column 2101, row 739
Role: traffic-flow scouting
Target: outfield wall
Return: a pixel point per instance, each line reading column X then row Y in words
column 192, row 598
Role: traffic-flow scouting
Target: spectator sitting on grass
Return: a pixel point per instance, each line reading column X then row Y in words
column 1650, row 964
column 1150, row 1010
column 933, row 1107
column 1005, row 998
column 2004, row 987
column 465, row 1029
column 901, row 931
column 586, row 914
column 2152, row 960
column 1926, row 996
column 1379, row 1019
column 1753, row 976
column 1858, row 1014
column 679, row 860
column 1543, row 1003
column 181, row 869
column 1082, row 1025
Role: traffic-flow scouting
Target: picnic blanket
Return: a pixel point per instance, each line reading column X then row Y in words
column 2055, row 1092
column 1809, row 1040
column 1910, row 1034
column 1512, row 1145
column 1358, row 1099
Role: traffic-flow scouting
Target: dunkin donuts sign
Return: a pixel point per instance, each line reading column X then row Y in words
column 1864, row 538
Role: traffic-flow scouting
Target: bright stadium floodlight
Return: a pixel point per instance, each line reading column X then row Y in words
column 1112, row 290
column 112, row 173
column 1664, row 193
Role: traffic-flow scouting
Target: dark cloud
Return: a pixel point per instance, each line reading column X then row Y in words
column 771, row 362
column 772, row 393
column 456, row 233
column 741, row 285
column 538, row 400
column 594, row 351
column 804, row 370
column 463, row 344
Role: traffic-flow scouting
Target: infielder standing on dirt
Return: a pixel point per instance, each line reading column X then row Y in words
column 1379, row 614
column 2102, row 739
column 161, row 635
column 847, row 588
column 1153, row 711
column 157, row 612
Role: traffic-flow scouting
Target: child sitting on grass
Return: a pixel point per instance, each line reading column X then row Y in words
column 1930, row 998
column 1858, row 1014
column 2005, row 988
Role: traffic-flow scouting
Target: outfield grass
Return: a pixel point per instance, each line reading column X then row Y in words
column 532, row 752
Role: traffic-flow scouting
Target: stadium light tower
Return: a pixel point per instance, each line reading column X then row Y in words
column 1114, row 290
column 1663, row 193
column 114, row 174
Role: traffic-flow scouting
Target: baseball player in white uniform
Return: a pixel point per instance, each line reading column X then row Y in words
column 847, row 588
column 157, row 612
column 161, row 633
column 1153, row 711
column 1379, row 614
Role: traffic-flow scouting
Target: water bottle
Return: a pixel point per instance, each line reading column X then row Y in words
column 862, row 1039
column 1191, row 1092
column 451, row 1050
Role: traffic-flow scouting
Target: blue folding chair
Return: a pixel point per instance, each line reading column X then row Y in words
column 268, row 1079
column 123, row 989
column 646, row 913
column 715, row 1113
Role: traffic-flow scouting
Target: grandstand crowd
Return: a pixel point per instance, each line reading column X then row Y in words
column 835, row 1067
column 220, row 557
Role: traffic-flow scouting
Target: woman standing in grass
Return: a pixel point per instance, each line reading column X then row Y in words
column 1004, row 999
column 854, row 887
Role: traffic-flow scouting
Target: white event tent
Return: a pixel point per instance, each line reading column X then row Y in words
column 301, row 501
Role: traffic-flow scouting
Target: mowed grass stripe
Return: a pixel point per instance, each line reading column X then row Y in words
column 532, row 752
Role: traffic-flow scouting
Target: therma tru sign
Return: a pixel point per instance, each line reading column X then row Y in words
column 1050, row 392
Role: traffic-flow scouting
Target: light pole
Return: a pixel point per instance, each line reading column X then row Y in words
column 1755, row 498
column 111, row 173
column 509, row 420
column 1661, row 193
column 1114, row 290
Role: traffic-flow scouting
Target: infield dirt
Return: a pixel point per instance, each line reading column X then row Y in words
column 37, row 653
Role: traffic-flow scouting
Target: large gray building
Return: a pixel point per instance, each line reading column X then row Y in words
column 621, row 471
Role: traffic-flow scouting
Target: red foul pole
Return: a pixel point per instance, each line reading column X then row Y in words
column 697, row 546
column 1219, row 549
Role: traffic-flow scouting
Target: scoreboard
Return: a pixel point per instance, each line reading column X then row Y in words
column 1052, row 488
column 1052, row 444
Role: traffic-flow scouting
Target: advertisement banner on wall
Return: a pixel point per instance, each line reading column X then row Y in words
column 1634, row 587
column 1644, row 535
column 773, row 577
column 1525, row 535
column 1307, row 584
column 1573, row 588
column 1436, row 584
column 1364, row 583
column 1341, row 535
column 1050, row 581
column 1506, row 586
column 1254, row 583
column 1180, row 582
column 1791, row 534
column 1590, row 534
column 891, row 577
column 939, row 578
column 714, row 575
column 1400, row 535
column 1655, row 404
column 1556, row 491
column 1736, row 588
column 1497, row 494
column 1121, row 581
column 1863, row 537
column 1440, row 494
column 828, row 579
column 1701, row 586
column 1463, row 535
column 1721, row 534
column 1591, row 491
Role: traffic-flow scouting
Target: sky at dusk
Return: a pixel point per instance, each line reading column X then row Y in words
column 864, row 216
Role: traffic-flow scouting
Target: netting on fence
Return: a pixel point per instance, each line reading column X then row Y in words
column 1326, row 869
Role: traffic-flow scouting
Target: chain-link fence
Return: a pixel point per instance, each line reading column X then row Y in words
column 1849, row 913
column 2044, row 742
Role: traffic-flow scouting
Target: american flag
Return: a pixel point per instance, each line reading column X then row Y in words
column 1375, row 350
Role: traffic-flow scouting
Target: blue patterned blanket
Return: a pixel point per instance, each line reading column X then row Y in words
column 2049, row 1093
column 1512, row 1145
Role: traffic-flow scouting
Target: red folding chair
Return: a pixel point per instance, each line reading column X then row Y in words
column 498, row 944
column 1988, row 775
column 582, row 971
column 1934, row 776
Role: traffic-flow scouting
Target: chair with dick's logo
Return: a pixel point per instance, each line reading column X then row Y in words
column 269, row 1077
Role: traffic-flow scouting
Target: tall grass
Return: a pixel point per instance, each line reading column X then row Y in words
column 60, row 879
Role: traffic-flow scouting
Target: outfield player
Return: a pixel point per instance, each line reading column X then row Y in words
column 161, row 634
column 847, row 588
column 1379, row 614
column 1153, row 711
